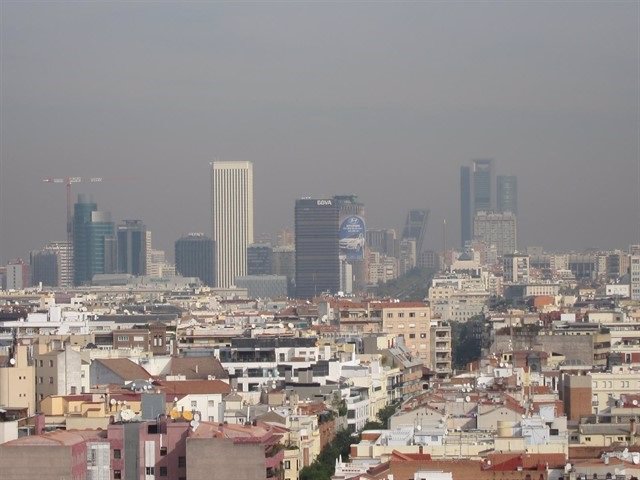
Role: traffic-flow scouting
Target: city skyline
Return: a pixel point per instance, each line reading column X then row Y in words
column 541, row 105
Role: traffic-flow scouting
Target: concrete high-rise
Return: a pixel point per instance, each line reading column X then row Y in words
column 64, row 252
column 18, row 275
column 132, row 247
column 317, row 247
column 383, row 241
column 194, row 254
column 634, row 273
column 499, row 229
column 507, row 194
column 482, row 185
column 466, row 218
column 94, row 243
column 232, row 218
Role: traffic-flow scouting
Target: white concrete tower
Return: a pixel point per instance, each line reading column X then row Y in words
column 232, row 218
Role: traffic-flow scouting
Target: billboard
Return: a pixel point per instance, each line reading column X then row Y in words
column 352, row 237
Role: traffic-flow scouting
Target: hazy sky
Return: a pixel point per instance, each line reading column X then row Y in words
column 382, row 100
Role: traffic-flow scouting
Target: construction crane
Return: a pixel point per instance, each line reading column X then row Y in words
column 68, row 181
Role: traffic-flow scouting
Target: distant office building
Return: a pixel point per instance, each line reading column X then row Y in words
column 408, row 258
column 634, row 270
column 429, row 259
column 64, row 253
column 94, row 243
column 156, row 263
column 259, row 259
column 149, row 247
column 466, row 218
column 482, row 186
column 232, row 215
column 17, row 275
column 194, row 255
column 383, row 241
column 317, row 247
column 352, row 240
column 415, row 227
column 515, row 268
column 499, row 229
column 284, row 263
column 132, row 247
column 44, row 267
column 507, row 199
column 264, row 286
column 381, row 268
column 285, row 238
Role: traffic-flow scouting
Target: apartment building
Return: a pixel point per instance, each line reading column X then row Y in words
column 409, row 320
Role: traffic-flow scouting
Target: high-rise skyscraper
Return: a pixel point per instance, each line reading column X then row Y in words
column 232, row 218
column 317, row 247
column 466, row 217
column 352, row 241
column 94, row 243
column 194, row 255
column 44, row 267
column 132, row 247
column 498, row 229
column 482, row 186
column 415, row 228
column 507, row 200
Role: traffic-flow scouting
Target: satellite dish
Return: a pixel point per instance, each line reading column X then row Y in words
column 419, row 427
column 467, row 398
column 112, row 401
column 126, row 415
column 635, row 402
column 196, row 417
column 290, row 325
column 12, row 361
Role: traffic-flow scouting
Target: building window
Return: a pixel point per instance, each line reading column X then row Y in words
column 211, row 403
column 41, row 363
column 163, row 451
column 389, row 315
column 194, row 403
column 401, row 315
column 423, row 335
column 117, row 474
column 412, row 335
column 151, row 471
column 182, row 462
column 117, row 454
column 51, row 363
column 412, row 314
column 163, row 471
column 51, row 380
column 287, row 464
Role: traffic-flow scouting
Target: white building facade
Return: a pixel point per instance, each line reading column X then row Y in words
column 232, row 218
